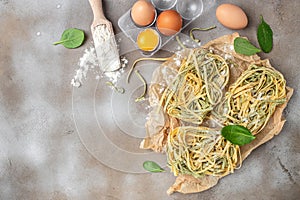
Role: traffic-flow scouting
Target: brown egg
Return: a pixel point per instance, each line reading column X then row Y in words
column 143, row 13
column 169, row 22
column 231, row 16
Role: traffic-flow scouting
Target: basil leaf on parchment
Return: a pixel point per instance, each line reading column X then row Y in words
column 243, row 46
column 237, row 134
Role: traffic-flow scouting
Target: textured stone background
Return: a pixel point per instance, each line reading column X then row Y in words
column 41, row 155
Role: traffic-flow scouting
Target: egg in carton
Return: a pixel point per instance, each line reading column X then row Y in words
column 151, row 25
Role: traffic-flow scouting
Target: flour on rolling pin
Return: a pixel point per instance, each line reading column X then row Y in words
column 106, row 48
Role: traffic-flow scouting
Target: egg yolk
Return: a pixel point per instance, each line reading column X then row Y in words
column 148, row 40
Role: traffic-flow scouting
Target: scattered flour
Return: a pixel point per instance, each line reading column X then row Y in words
column 89, row 62
column 102, row 58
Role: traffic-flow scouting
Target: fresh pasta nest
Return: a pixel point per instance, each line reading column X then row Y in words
column 197, row 88
column 201, row 151
column 197, row 92
column 252, row 99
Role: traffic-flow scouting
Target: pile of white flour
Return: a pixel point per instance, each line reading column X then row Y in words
column 89, row 63
column 102, row 58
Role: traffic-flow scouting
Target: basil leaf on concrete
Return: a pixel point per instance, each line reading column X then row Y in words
column 71, row 38
column 237, row 134
column 152, row 167
column 243, row 46
column 265, row 36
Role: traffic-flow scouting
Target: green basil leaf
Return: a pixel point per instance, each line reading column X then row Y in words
column 243, row 46
column 265, row 36
column 71, row 38
column 237, row 134
column 152, row 167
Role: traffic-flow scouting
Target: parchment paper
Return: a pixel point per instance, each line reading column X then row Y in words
column 159, row 123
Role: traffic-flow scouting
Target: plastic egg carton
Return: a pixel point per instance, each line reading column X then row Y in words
column 131, row 30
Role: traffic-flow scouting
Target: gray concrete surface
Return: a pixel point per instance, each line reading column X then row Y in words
column 41, row 154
